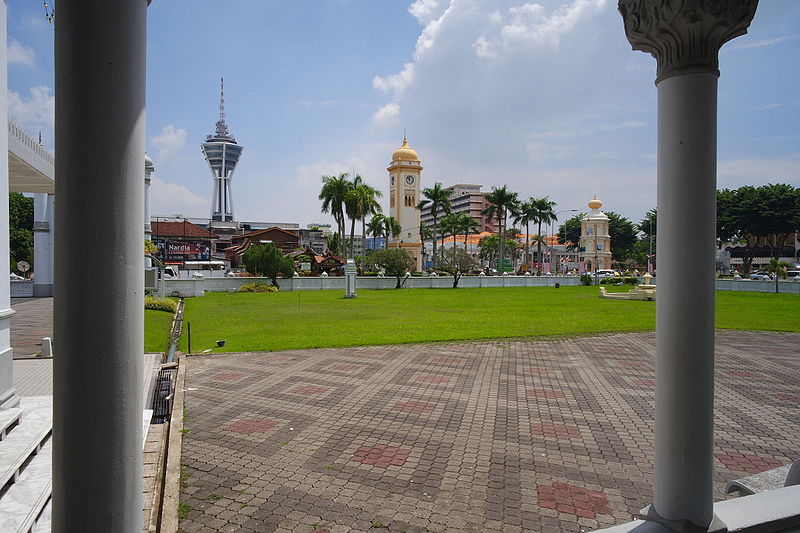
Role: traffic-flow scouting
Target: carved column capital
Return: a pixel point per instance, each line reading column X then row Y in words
column 685, row 35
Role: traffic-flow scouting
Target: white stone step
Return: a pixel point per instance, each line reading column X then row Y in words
column 8, row 420
column 43, row 523
column 35, row 425
column 23, row 502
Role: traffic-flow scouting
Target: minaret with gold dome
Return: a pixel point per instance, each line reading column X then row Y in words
column 595, row 237
column 405, row 173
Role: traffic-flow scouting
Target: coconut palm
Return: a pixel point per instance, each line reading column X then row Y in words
column 542, row 214
column 525, row 215
column 449, row 225
column 333, row 194
column 502, row 203
column 439, row 199
column 391, row 228
column 778, row 269
column 360, row 202
column 467, row 225
column 424, row 235
column 375, row 227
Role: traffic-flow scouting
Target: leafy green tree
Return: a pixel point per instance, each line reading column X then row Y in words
column 425, row 233
column 333, row 195
column 502, row 203
column 542, row 214
column 334, row 242
column 360, row 202
column 439, row 200
column 455, row 262
column 623, row 236
column 266, row 260
column 396, row 262
column 570, row 231
column 20, row 226
column 489, row 248
column 375, row 227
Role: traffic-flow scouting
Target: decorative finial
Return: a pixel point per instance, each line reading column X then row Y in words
column 222, row 128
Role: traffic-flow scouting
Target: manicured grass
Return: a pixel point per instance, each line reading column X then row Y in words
column 156, row 330
column 313, row 319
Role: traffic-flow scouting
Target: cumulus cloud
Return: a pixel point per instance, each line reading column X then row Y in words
column 387, row 115
column 170, row 142
column 396, row 83
column 36, row 112
column 20, row 54
column 170, row 198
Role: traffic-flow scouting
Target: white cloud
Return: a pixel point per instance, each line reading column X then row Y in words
column 35, row 113
column 733, row 173
column 20, row 54
column 761, row 43
column 171, row 198
column 396, row 82
column 425, row 10
column 170, row 143
column 387, row 115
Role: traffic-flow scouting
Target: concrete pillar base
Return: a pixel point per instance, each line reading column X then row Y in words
column 44, row 290
column 650, row 514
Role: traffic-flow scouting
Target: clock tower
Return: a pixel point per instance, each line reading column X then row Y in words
column 404, row 194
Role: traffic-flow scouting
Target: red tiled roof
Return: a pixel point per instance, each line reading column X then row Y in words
column 180, row 229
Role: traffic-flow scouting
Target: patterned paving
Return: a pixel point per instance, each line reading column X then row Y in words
column 489, row 436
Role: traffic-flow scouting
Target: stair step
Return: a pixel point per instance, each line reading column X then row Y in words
column 24, row 501
column 35, row 425
column 8, row 419
column 43, row 523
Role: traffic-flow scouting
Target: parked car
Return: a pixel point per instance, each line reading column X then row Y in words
column 760, row 275
column 605, row 273
column 793, row 275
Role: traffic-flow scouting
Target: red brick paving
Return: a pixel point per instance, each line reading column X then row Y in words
column 497, row 449
column 230, row 376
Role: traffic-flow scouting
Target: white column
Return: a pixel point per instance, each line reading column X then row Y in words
column 99, row 316
column 148, row 171
column 8, row 395
column 685, row 41
column 43, row 206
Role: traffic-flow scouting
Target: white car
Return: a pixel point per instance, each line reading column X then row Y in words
column 604, row 273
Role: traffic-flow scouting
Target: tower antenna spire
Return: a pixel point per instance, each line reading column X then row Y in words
column 222, row 99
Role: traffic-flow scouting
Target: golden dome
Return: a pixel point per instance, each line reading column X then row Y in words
column 405, row 153
column 595, row 203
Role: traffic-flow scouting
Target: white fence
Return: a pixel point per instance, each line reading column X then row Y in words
column 21, row 289
column 198, row 287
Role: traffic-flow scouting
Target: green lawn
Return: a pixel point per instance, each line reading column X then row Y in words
column 312, row 319
column 156, row 330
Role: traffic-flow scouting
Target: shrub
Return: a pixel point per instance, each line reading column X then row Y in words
column 160, row 304
column 586, row 279
column 257, row 286
column 631, row 280
column 611, row 281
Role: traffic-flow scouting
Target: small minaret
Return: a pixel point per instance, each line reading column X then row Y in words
column 222, row 154
column 595, row 237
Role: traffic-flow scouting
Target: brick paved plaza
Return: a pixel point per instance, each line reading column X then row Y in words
column 485, row 436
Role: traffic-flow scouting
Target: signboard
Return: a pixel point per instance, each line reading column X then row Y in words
column 306, row 265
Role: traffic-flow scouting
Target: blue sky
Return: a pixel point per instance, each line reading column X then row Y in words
column 544, row 96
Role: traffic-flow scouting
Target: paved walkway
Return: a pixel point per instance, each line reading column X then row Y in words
column 486, row 436
column 32, row 322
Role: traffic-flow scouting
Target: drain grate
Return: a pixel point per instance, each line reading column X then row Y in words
column 163, row 395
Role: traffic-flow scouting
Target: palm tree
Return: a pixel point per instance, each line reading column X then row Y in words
column 449, row 226
column 333, row 194
column 375, row 227
column 360, row 202
column 526, row 215
column 424, row 234
column 438, row 198
column 467, row 225
column 778, row 268
column 391, row 228
column 542, row 214
column 503, row 202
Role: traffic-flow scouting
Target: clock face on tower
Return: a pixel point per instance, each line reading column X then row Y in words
column 410, row 180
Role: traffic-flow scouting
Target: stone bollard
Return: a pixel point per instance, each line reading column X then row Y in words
column 47, row 347
column 350, row 279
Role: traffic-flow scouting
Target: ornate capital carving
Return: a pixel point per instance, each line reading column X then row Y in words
column 685, row 35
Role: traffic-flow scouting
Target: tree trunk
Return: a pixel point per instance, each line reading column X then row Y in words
column 539, row 249
column 501, row 244
column 434, row 235
column 527, row 246
column 455, row 280
column 398, row 283
column 352, row 237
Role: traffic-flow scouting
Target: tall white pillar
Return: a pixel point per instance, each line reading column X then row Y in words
column 99, row 315
column 148, row 172
column 8, row 395
column 685, row 40
column 43, row 218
